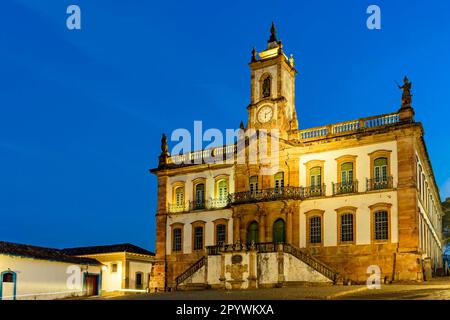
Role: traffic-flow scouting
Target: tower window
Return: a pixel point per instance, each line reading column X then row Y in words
column 266, row 87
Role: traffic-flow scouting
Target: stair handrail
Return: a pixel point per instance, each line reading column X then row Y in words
column 190, row 271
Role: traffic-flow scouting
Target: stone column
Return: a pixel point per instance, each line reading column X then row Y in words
column 237, row 228
column 262, row 228
column 289, row 226
column 252, row 284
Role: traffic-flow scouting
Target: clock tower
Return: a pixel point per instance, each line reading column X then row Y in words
column 272, row 102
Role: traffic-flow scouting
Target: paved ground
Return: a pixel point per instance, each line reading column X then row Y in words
column 436, row 289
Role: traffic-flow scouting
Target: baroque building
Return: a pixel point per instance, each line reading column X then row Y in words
column 334, row 203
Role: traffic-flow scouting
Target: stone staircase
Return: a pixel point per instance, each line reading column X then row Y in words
column 190, row 271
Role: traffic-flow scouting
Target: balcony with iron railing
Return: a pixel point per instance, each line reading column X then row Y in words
column 274, row 194
column 380, row 183
column 281, row 193
column 190, row 206
column 345, row 187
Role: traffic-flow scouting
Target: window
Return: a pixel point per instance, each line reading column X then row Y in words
column 179, row 197
column 347, row 173
column 266, row 87
column 380, row 171
column 8, row 277
column 177, row 240
column 253, row 232
column 198, row 238
column 346, row 227
column 279, row 234
column 200, row 196
column 315, row 176
column 139, row 281
column 381, row 225
column 114, row 267
column 222, row 193
column 315, row 230
column 254, row 184
column 221, row 233
column 279, row 181
column 380, row 167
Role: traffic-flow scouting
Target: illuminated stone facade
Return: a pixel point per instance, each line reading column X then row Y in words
column 343, row 197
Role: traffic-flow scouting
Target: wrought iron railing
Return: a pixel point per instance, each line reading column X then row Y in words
column 191, row 270
column 308, row 259
column 273, row 194
column 190, row 206
column 314, row 191
column 380, row 183
column 345, row 187
column 269, row 247
column 311, row 261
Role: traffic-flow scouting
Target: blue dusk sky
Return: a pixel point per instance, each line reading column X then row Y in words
column 82, row 111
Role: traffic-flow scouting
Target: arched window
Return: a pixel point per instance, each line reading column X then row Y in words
column 346, row 227
column 253, row 232
column 266, row 87
column 279, row 234
column 222, row 192
column 315, row 177
column 315, row 230
column 380, row 173
column 279, row 181
column 253, row 184
column 347, row 173
column 179, row 197
column 200, row 196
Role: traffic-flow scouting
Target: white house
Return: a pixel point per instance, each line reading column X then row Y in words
column 32, row 273
column 126, row 267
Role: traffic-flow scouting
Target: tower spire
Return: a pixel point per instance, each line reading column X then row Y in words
column 273, row 33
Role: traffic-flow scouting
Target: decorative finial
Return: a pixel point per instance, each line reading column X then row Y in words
column 164, row 146
column 241, row 126
column 164, row 151
column 273, row 33
column 291, row 60
column 406, row 96
column 254, row 55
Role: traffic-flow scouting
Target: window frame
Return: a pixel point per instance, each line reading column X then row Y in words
column 194, row 225
column 339, row 213
column 173, row 227
column 277, row 179
column 311, row 165
column 309, row 215
column 220, row 222
column 263, row 78
column 217, row 181
column 196, row 182
column 252, row 222
column 376, row 155
column 378, row 207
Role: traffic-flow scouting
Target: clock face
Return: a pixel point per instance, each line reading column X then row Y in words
column 265, row 114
